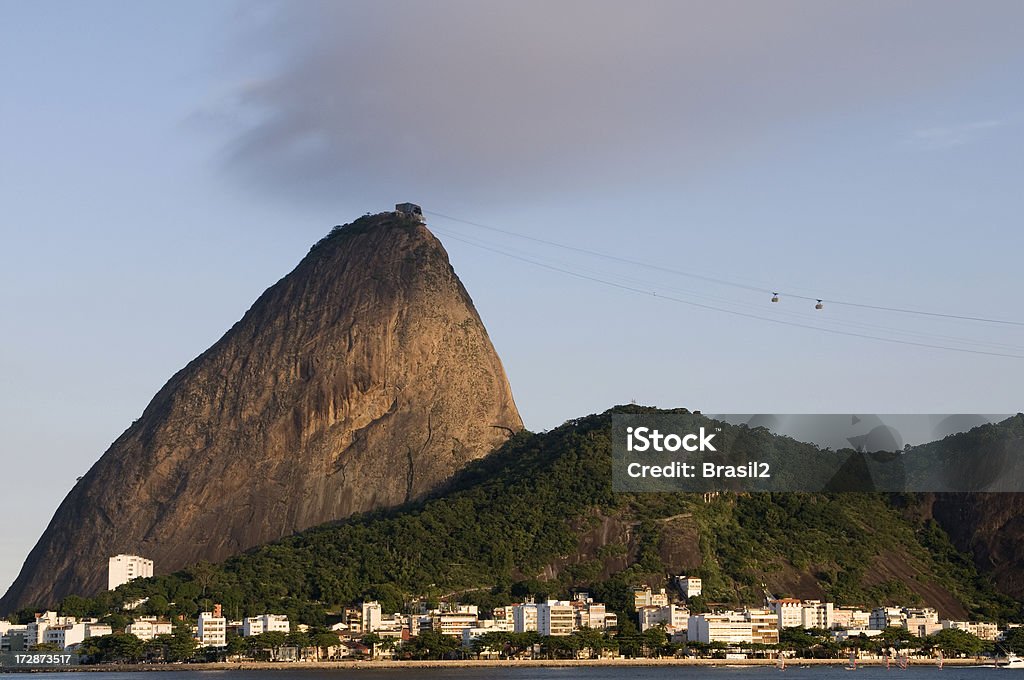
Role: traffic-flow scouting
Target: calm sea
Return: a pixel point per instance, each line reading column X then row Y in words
column 578, row 673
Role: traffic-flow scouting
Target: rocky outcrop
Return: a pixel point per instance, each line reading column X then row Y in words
column 363, row 379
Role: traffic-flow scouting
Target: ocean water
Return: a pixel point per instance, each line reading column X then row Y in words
column 575, row 673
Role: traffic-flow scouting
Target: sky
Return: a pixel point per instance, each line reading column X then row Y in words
column 629, row 183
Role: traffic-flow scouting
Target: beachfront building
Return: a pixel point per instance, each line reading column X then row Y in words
column 555, row 617
column 265, row 623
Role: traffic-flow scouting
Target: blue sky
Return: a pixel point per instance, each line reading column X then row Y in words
column 163, row 163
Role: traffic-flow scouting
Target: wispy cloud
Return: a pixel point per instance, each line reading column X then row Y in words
column 501, row 98
column 949, row 136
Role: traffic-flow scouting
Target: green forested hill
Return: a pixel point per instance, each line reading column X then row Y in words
column 539, row 516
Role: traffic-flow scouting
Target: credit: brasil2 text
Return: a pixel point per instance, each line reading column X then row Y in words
column 707, row 470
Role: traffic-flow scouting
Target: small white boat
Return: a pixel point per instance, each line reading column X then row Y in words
column 1011, row 661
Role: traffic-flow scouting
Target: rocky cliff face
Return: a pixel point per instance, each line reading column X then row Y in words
column 363, row 379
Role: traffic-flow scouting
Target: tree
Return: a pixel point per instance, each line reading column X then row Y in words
column 74, row 605
column 323, row 640
column 1013, row 640
column 114, row 648
column 180, row 645
column 371, row 640
column 236, row 645
column 117, row 622
column 955, row 642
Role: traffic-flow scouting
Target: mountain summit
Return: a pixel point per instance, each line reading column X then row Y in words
column 363, row 379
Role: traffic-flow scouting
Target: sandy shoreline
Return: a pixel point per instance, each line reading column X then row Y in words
column 489, row 663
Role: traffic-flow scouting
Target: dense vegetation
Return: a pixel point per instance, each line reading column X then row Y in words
column 489, row 535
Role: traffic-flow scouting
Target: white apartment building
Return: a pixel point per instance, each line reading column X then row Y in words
column 850, row 618
column 123, row 568
column 555, row 617
column 816, row 614
column 65, row 636
column 371, row 616
column 689, row 586
column 265, row 623
column 788, row 612
column 593, row 615
column 97, row 630
column 645, row 597
column 984, row 631
column 764, row 626
column 212, row 630
column 453, row 623
column 921, row 621
column 418, row 622
column 524, row 617
column 727, row 627
column 504, row 614
column 147, row 629
column 886, row 617
column 674, row 617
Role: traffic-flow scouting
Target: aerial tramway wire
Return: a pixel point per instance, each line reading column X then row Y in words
column 727, row 282
column 670, row 298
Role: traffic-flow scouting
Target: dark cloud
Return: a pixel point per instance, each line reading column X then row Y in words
column 442, row 98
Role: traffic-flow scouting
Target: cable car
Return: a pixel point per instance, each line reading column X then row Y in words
column 819, row 305
column 775, row 297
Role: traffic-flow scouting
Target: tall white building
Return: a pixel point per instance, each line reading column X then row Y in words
column 372, row 616
column 123, row 568
column 212, row 630
column 555, row 617
column 524, row 617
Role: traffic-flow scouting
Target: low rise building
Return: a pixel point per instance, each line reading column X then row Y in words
column 727, row 627
column 265, row 623
column 788, row 612
column 886, row 617
column 689, row 586
column 453, row 623
column 673, row 617
column 148, row 629
column 645, row 597
column 850, row 617
column 982, row 630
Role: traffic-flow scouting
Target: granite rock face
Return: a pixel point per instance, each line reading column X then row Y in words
column 363, row 379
